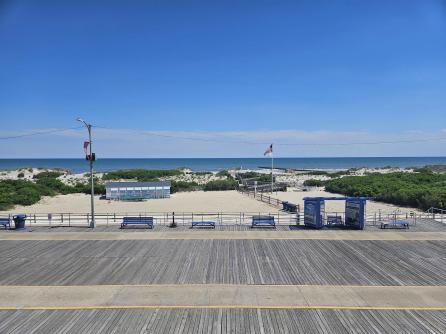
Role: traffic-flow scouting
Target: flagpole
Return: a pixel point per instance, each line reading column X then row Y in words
column 89, row 126
column 272, row 177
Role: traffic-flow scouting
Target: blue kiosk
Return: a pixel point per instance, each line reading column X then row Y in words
column 314, row 212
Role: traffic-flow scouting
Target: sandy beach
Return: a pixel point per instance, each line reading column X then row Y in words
column 196, row 201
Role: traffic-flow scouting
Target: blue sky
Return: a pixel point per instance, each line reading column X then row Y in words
column 265, row 71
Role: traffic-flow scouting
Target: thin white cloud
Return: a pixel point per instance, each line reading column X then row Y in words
column 288, row 142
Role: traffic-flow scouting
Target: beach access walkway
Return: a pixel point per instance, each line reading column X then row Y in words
column 206, row 281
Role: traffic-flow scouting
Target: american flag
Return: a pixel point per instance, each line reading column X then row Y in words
column 269, row 150
column 86, row 143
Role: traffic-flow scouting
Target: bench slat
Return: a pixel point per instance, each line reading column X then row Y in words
column 263, row 220
column 137, row 221
column 203, row 223
column 396, row 223
column 6, row 222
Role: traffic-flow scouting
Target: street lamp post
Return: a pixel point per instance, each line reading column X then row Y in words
column 88, row 126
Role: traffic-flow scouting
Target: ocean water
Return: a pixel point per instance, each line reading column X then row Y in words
column 213, row 164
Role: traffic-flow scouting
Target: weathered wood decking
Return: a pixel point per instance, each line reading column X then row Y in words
column 205, row 321
column 335, row 262
column 331, row 260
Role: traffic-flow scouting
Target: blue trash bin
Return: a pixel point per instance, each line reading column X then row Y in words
column 19, row 221
column 292, row 207
column 285, row 205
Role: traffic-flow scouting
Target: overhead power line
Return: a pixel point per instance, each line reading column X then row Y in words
column 217, row 140
column 39, row 133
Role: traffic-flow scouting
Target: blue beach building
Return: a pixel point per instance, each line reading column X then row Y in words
column 137, row 190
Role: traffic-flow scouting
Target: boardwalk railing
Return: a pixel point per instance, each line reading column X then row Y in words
column 266, row 199
column 437, row 214
column 221, row 218
column 376, row 218
column 160, row 218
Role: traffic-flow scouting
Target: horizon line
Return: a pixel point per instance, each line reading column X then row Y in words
column 266, row 158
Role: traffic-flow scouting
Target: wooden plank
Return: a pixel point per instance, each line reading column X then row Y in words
column 329, row 262
column 203, row 321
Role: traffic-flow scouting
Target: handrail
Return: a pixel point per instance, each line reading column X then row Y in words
column 161, row 218
column 265, row 198
column 221, row 218
column 435, row 210
column 437, row 214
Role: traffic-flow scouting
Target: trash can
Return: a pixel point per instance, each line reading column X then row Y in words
column 285, row 205
column 292, row 207
column 19, row 221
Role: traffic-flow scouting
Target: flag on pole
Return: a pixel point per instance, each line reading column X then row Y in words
column 269, row 150
column 86, row 143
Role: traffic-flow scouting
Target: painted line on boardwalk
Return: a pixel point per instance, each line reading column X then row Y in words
column 223, row 296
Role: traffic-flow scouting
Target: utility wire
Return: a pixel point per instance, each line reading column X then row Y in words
column 155, row 134
column 40, row 133
column 216, row 140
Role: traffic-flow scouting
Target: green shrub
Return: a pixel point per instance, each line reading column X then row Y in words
column 224, row 173
column 328, row 174
column 260, row 177
column 202, row 173
column 221, row 185
column 21, row 192
column 141, row 175
column 314, row 183
column 177, row 186
column 55, row 185
column 48, row 174
column 85, row 188
column 419, row 190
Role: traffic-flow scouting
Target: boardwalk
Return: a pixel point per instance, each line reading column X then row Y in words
column 229, row 280
column 204, row 321
column 353, row 262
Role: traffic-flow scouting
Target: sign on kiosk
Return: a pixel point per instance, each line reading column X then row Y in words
column 314, row 212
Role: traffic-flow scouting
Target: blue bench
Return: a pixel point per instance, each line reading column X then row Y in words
column 6, row 222
column 205, row 223
column 137, row 221
column 334, row 221
column 267, row 221
column 395, row 224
